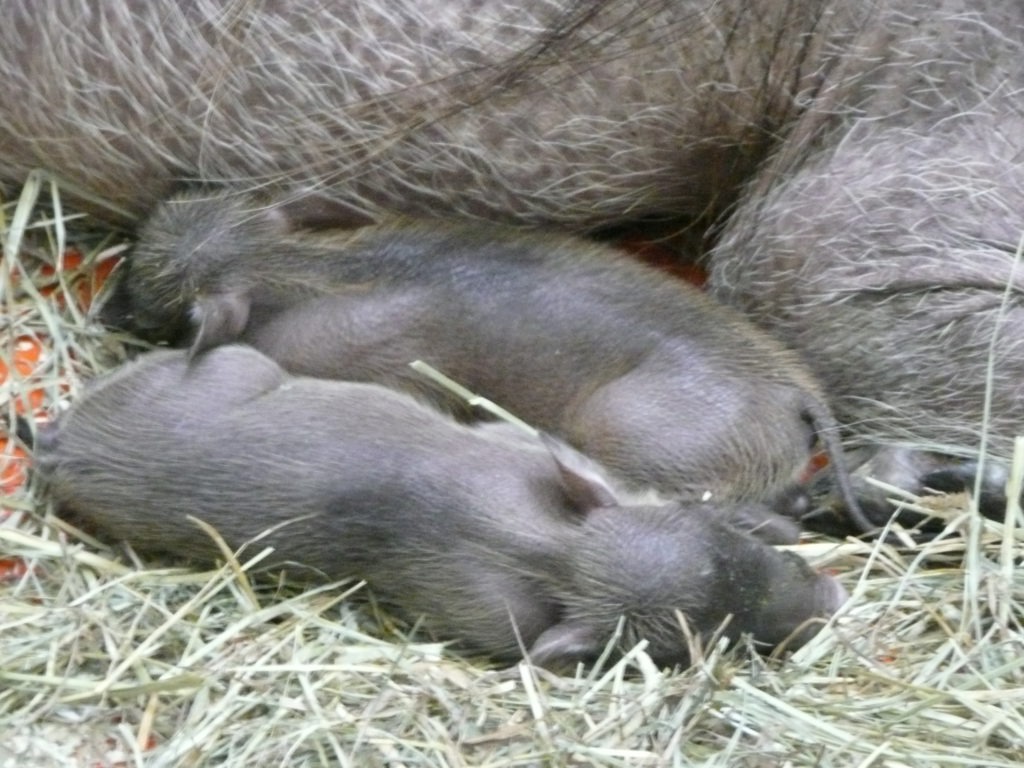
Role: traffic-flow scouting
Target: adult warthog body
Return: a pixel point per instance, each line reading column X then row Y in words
column 868, row 155
column 496, row 539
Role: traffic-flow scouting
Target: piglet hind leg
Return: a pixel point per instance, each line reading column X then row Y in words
column 696, row 435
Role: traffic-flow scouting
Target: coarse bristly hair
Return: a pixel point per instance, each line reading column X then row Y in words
column 826, row 139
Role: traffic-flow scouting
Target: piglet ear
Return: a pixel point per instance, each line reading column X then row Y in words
column 561, row 647
column 583, row 479
column 221, row 318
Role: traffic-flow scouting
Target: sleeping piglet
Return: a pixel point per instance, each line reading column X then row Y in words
column 486, row 533
column 645, row 374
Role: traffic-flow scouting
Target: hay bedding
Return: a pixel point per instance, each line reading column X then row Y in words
column 106, row 661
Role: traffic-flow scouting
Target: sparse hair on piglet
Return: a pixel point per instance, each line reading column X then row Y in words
column 498, row 543
column 645, row 374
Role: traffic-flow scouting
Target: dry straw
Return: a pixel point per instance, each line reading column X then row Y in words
column 105, row 661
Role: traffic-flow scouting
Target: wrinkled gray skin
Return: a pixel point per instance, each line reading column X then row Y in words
column 484, row 532
column 863, row 159
column 664, row 387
